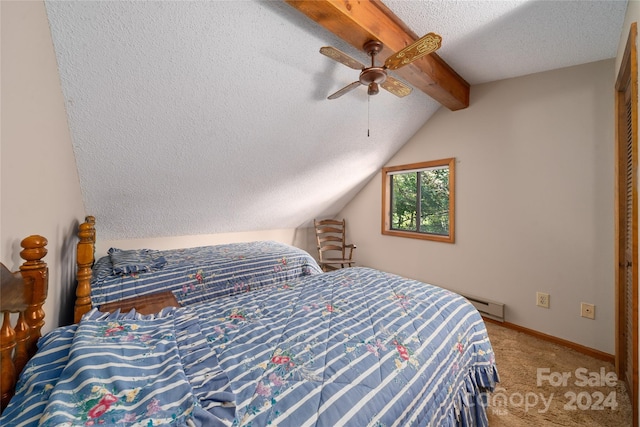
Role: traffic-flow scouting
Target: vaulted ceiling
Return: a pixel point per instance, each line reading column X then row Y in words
column 197, row 117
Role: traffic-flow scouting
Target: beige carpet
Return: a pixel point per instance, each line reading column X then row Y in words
column 576, row 390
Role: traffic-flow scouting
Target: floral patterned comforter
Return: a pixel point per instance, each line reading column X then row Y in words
column 354, row 347
column 207, row 272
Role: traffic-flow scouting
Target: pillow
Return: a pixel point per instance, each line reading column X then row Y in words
column 135, row 261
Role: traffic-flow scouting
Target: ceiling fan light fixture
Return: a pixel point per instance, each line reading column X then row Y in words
column 373, row 89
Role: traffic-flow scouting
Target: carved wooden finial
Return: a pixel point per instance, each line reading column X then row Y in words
column 85, row 231
column 34, row 248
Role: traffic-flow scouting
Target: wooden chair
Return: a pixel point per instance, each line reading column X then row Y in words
column 333, row 252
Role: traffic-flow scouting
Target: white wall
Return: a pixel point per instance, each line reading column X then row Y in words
column 40, row 192
column 633, row 15
column 534, row 202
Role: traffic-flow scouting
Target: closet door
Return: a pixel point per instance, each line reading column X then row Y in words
column 627, row 221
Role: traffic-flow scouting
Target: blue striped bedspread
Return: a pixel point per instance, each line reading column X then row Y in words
column 203, row 273
column 354, row 347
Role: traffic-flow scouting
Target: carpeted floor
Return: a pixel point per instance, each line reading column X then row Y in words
column 546, row 384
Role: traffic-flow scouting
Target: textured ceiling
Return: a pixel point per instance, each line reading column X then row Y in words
column 206, row 117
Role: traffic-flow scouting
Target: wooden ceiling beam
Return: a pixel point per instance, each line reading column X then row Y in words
column 358, row 21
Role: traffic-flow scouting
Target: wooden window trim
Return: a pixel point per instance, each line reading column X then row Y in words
column 386, row 199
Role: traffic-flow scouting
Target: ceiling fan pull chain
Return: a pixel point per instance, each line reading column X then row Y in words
column 368, row 114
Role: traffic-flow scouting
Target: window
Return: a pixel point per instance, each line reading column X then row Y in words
column 418, row 200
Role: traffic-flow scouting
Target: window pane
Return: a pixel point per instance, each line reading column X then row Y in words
column 404, row 197
column 434, row 192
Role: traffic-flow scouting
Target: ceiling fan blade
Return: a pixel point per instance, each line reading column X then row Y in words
column 341, row 57
column 421, row 47
column 344, row 90
column 396, row 87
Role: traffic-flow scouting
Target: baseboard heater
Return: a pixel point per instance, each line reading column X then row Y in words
column 491, row 309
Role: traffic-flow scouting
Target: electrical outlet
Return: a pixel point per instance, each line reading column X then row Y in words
column 588, row 310
column 542, row 299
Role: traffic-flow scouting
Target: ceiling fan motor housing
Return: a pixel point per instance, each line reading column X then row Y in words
column 373, row 75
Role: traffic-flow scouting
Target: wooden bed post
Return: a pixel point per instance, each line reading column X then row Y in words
column 85, row 254
column 24, row 293
column 36, row 275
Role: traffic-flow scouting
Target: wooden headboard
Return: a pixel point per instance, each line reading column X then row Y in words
column 23, row 292
column 85, row 258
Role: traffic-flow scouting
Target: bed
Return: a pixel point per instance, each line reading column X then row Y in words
column 194, row 275
column 352, row 347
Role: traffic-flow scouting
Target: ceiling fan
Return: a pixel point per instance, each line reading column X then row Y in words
column 373, row 76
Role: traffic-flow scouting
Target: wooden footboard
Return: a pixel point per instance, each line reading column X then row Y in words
column 85, row 258
column 23, row 292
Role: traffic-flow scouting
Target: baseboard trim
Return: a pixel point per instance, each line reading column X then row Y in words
column 600, row 355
